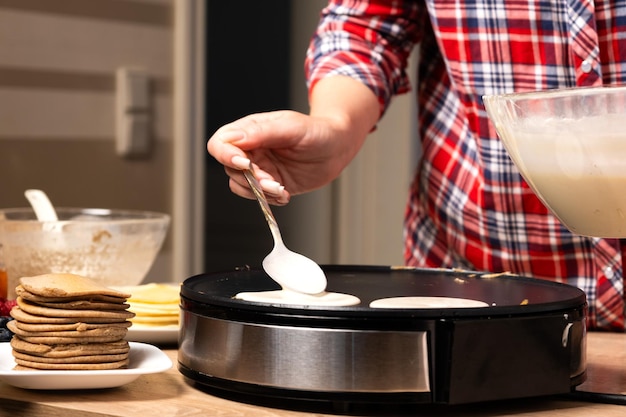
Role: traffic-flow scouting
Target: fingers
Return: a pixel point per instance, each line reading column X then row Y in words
column 278, row 129
column 240, row 162
column 275, row 193
column 255, row 137
column 268, row 185
column 222, row 146
column 272, row 187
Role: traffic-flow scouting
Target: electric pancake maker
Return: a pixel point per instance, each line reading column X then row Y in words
column 528, row 341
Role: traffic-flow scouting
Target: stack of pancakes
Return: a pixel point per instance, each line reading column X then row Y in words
column 154, row 304
column 69, row 322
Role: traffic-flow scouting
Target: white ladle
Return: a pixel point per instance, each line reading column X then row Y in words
column 39, row 201
column 45, row 213
column 289, row 269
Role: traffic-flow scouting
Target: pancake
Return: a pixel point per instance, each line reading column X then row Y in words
column 78, row 326
column 119, row 332
column 83, row 305
column 146, row 310
column 20, row 291
column 153, row 293
column 26, row 365
column 154, row 304
column 67, row 285
column 427, row 302
column 155, row 321
column 56, row 340
column 84, row 359
column 284, row 297
column 38, row 310
column 70, row 349
column 18, row 314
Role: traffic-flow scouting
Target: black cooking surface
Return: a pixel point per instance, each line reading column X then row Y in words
column 506, row 294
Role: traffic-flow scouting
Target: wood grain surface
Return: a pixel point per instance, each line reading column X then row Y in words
column 169, row 394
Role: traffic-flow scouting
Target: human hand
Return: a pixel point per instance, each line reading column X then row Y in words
column 292, row 153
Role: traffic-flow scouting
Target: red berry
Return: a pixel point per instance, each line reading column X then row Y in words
column 6, row 306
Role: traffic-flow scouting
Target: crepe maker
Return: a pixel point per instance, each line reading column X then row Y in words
column 529, row 341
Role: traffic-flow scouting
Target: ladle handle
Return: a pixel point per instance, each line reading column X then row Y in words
column 43, row 208
column 265, row 207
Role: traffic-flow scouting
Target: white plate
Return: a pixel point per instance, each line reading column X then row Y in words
column 144, row 359
column 158, row 335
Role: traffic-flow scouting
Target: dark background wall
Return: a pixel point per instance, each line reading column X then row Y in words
column 247, row 72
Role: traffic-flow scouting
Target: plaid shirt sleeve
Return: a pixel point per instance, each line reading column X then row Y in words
column 469, row 207
column 369, row 42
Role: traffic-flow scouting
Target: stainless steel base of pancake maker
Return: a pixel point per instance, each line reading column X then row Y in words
column 529, row 340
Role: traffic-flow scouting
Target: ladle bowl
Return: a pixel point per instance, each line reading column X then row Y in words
column 291, row 270
column 570, row 147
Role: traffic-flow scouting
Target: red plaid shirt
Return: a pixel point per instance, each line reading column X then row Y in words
column 468, row 207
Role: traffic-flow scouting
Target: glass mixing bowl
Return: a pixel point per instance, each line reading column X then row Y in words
column 114, row 247
column 570, row 147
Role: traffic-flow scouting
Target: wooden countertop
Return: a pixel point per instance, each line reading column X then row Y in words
column 168, row 394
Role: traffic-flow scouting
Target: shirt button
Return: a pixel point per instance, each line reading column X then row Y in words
column 586, row 66
column 608, row 272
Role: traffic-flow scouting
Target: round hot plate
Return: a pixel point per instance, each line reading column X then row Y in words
column 447, row 337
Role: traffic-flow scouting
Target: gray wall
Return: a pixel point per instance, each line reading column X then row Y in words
column 57, row 93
